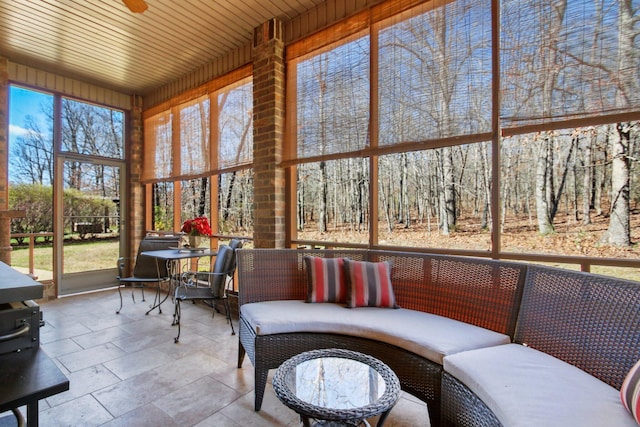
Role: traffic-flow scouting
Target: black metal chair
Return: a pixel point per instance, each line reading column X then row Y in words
column 234, row 244
column 147, row 272
column 208, row 286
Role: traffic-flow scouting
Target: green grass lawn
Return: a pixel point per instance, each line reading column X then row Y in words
column 78, row 256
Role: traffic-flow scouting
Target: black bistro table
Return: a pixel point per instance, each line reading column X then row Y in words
column 173, row 259
column 337, row 387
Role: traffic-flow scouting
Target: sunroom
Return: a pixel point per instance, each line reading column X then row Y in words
column 477, row 128
column 492, row 129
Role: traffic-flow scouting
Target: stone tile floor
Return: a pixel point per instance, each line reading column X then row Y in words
column 126, row 370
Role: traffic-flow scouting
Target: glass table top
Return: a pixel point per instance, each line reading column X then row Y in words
column 336, row 385
column 335, row 382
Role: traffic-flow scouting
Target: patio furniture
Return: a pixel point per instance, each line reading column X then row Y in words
column 467, row 337
column 174, row 261
column 208, row 286
column 578, row 336
column 146, row 272
column 234, row 244
column 337, row 385
column 464, row 302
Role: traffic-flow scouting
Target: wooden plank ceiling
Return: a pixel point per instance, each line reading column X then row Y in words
column 102, row 42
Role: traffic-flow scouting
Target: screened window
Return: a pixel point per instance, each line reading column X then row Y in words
column 92, row 130
column 235, row 125
column 195, row 198
column 158, row 153
column 198, row 155
column 162, row 215
column 568, row 59
column 563, row 110
column 207, row 135
column 30, row 138
column 194, row 136
column 235, row 202
column 332, row 99
column 435, row 73
column 439, row 198
column 556, row 193
column 333, row 200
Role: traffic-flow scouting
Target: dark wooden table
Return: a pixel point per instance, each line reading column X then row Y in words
column 16, row 286
column 25, row 378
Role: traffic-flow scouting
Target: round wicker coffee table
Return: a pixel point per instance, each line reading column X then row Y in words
column 337, row 387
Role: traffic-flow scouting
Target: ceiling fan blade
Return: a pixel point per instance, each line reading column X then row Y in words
column 136, row 6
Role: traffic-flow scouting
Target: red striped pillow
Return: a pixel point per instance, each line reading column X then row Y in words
column 326, row 281
column 630, row 392
column 369, row 284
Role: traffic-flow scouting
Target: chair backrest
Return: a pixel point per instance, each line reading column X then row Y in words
column 234, row 244
column 146, row 266
column 221, row 268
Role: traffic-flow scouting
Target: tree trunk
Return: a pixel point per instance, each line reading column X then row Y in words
column 542, row 207
column 586, row 182
column 322, row 215
column 448, row 194
column 300, row 195
column 486, row 182
column 406, row 217
column 619, row 231
column 563, row 180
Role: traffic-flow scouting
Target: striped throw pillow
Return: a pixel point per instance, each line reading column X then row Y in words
column 326, row 280
column 369, row 284
column 630, row 392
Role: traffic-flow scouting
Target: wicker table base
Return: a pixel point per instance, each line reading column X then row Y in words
column 337, row 387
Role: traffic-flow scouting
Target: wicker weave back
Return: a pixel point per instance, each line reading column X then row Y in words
column 481, row 292
column 590, row 321
column 279, row 274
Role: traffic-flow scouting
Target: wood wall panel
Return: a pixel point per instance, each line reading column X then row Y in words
column 28, row 76
column 325, row 14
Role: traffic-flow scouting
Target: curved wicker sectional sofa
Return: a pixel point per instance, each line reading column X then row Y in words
column 482, row 342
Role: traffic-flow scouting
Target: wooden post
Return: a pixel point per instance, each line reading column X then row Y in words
column 5, row 233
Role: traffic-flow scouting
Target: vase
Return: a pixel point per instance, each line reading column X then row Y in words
column 196, row 241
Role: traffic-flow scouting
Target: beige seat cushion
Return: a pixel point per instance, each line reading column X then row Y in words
column 525, row 387
column 427, row 335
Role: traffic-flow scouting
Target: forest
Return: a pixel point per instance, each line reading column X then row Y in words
column 563, row 175
column 567, row 174
column 576, row 194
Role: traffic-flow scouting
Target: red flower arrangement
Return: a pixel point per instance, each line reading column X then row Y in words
column 197, row 227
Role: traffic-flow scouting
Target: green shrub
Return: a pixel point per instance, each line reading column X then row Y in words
column 37, row 202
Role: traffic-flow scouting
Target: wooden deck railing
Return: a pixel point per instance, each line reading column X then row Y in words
column 32, row 244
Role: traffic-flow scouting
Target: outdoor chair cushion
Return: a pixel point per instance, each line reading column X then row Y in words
column 326, row 279
column 630, row 392
column 525, row 387
column 424, row 334
column 369, row 284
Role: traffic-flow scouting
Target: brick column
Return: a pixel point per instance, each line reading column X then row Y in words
column 268, row 135
column 136, row 208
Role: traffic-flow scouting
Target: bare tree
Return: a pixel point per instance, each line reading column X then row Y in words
column 32, row 155
column 587, row 178
column 542, row 190
column 628, row 62
column 619, row 231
